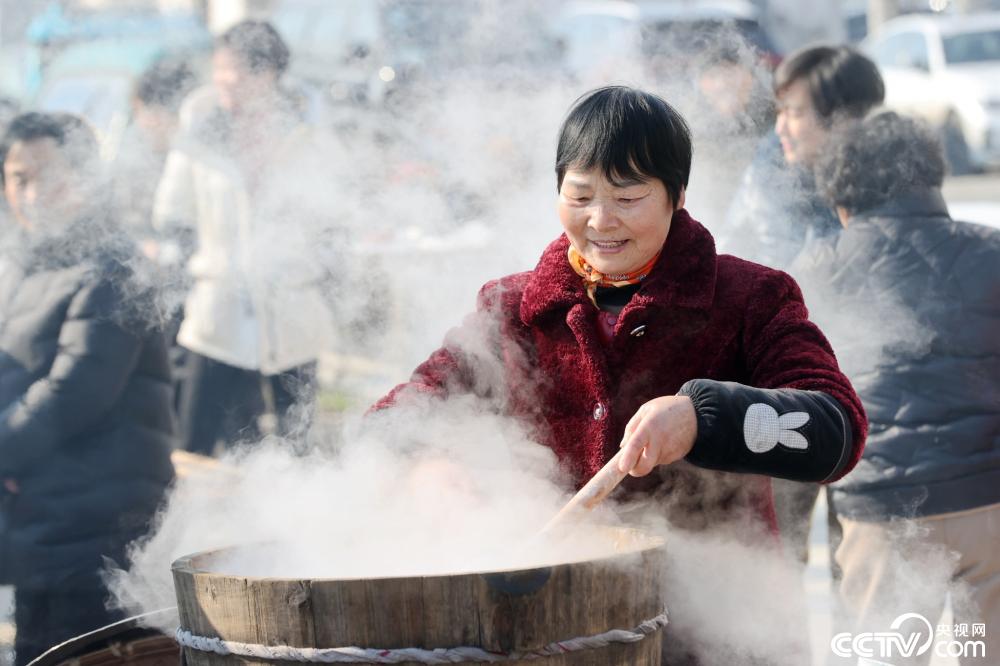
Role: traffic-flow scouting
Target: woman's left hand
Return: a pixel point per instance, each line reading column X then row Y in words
column 661, row 432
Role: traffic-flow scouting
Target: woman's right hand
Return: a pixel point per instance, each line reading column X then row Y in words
column 661, row 432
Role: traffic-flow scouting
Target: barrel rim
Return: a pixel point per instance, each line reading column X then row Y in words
column 654, row 544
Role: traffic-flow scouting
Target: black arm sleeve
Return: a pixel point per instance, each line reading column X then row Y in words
column 786, row 433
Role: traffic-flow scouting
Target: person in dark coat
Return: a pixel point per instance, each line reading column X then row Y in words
column 632, row 333
column 85, row 398
column 924, row 291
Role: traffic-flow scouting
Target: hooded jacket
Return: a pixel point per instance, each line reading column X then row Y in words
column 533, row 347
column 85, row 408
column 920, row 296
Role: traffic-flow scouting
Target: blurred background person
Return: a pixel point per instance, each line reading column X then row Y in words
column 85, row 415
column 9, row 237
column 156, row 100
column 733, row 109
column 242, row 175
column 929, row 479
column 776, row 210
column 9, row 109
column 134, row 174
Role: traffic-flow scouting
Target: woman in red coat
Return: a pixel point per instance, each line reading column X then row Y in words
column 632, row 332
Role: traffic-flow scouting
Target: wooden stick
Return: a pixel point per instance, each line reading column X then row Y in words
column 592, row 494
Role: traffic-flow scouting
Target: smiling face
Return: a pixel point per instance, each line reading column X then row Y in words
column 799, row 126
column 617, row 228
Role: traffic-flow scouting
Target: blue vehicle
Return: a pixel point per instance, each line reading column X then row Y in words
column 87, row 63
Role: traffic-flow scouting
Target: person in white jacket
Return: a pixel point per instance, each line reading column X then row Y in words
column 245, row 182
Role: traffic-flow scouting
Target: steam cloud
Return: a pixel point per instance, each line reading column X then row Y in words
column 428, row 489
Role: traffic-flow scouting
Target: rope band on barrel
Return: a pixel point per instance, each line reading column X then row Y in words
column 355, row 655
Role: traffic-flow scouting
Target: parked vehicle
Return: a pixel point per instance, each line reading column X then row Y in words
column 978, row 212
column 692, row 27
column 946, row 70
column 597, row 35
column 336, row 48
column 89, row 62
column 855, row 15
column 603, row 36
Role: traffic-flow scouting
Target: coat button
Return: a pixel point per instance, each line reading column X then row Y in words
column 638, row 331
column 599, row 411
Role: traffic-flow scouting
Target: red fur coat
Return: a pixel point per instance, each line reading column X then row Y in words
column 533, row 346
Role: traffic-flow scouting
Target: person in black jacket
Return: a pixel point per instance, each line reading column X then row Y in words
column 85, row 399
column 919, row 295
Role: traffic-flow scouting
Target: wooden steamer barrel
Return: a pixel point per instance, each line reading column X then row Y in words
column 501, row 612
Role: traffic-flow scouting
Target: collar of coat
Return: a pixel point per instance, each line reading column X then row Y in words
column 92, row 237
column 684, row 276
column 918, row 202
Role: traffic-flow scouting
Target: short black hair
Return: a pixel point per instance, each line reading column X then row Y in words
column 72, row 134
column 872, row 161
column 257, row 44
column 164, row 84
column 841, row 80
column 629, row 134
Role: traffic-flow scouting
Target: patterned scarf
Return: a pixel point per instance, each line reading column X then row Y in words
column 592, row 278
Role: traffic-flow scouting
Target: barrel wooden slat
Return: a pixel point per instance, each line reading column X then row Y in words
column 456, row 612
column 210, row 605
column 281, row 612
column 385, row 613
column 499, row 612
column 401, row 612
column 576, row 601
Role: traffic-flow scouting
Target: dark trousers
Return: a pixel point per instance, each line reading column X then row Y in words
column 47, row 617
column 793, row 504
column 220, row 401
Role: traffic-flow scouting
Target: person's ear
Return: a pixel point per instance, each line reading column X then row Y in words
column 681, row 198
column 843, row 215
